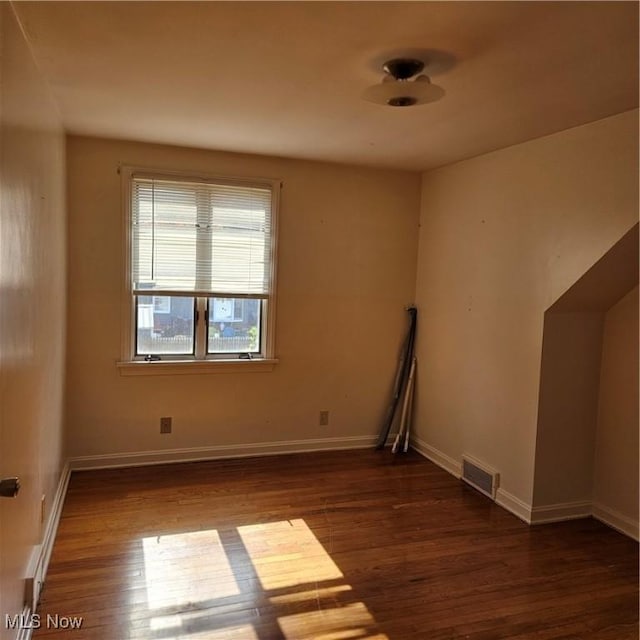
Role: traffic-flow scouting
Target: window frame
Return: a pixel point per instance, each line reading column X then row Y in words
column 201, row 360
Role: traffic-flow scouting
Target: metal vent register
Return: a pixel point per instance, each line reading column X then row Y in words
column 480, row 477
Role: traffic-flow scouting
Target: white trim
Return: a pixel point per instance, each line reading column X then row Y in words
column 513, row 504
column 166, row 456
column 145, row 171
column 437, row 457
column 41, row 554
column 269, row 332
column 544, row 514
column 535, row 515
column 54, row 518
column 617, row 520
column 504, row 499
column 186, row 367
column 127, row 311
column 561, row 511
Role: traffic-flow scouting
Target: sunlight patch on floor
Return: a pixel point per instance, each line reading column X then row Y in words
column 239, row 632
column 191, row 585
column 286, row 554
column 186, row 568
column 321, row 593
column 242, row 632
column 190, row 624
column 350, row 622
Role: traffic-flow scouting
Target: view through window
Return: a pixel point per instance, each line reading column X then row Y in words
column 202, row 267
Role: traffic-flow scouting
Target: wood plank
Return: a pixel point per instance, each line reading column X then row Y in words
column 326, row 546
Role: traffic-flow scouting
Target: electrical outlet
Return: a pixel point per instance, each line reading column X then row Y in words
column 165, row 425
column 324, row 418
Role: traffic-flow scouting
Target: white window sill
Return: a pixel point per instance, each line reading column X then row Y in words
column 190, row 367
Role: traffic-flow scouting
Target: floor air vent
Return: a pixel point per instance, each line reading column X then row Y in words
column 480, row 476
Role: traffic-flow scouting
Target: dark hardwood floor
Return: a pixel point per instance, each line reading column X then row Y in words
column 325, row 546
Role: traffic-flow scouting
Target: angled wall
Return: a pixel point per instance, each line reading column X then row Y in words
column 580, row 387
column 615, row 482
column 502, row 237
column 567, row 414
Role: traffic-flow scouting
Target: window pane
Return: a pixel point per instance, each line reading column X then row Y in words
column 234, row 325
column 164, row 325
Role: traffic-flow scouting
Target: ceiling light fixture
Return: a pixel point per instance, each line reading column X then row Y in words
column 402, row 86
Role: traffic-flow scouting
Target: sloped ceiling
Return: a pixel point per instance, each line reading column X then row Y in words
column 607, row 281
column 286, row 78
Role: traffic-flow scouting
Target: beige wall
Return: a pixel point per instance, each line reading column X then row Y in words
column 502, row 236
column 570, row 376
column 32, row 306
column 568, row 408
column 615, row 489
column 347, row 254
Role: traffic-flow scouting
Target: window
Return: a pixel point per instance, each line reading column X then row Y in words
column 201, row 268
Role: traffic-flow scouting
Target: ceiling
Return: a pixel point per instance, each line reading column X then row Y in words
column 285, row 78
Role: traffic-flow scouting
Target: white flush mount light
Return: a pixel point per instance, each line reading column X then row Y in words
column 403, row 85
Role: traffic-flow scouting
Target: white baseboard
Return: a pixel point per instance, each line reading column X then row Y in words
column 42, row 553
column 561, row 511
column 513, row 504
column 537, row 515
column 193, row 454
column 437, row 457
column 503, row 498
column 617, row 520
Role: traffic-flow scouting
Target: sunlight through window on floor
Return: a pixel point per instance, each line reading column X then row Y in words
column 286, row 553
column 185, row 568
column 238, row 584
column 318, row 594
column 350, row 622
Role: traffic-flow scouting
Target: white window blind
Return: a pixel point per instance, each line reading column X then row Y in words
column 200, row 238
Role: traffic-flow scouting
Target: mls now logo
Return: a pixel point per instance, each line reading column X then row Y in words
column 35, row 621
column 22, row 621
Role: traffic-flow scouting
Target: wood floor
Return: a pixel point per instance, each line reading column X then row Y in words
column 325, row 546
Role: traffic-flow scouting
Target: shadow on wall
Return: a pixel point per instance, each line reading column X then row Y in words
column 570, row 381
